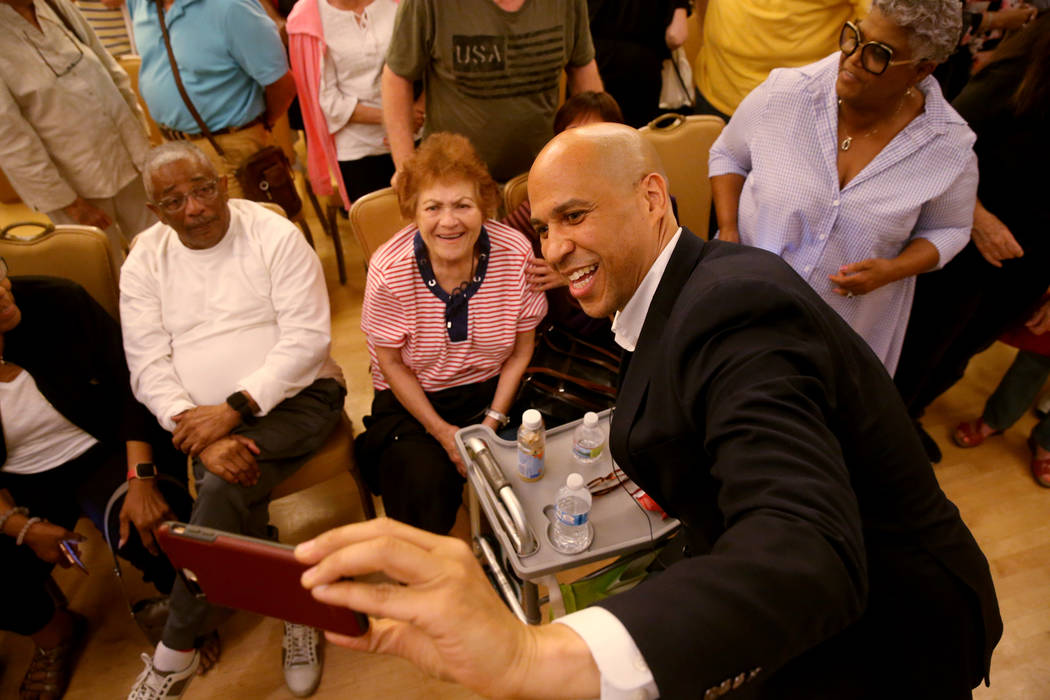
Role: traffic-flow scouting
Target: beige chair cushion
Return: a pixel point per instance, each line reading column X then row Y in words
column 79, row 253
column 683, row 144
column 333, row 458
column 515, row 192
column 374, row 218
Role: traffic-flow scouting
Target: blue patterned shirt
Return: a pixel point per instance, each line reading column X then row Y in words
column 923, row 184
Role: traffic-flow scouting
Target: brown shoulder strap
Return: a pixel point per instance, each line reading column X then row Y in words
column 178, row 79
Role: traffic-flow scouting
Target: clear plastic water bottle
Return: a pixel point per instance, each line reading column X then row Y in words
column 570, row 532
column 588, row 440
column 531, row 443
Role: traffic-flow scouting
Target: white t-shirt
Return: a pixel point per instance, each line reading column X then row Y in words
column 350, row 74
column 38, row 437
column 250, row 313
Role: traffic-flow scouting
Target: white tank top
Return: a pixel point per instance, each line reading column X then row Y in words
column 38, row 437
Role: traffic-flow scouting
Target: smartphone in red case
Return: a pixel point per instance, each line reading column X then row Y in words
column 251, row 574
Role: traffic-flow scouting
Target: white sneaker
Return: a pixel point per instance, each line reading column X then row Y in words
column 301, row 652
column 163, row 685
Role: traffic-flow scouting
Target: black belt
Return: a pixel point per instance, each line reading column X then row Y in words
column 175, row 135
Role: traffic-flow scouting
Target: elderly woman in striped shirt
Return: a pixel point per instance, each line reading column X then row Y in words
column 450, row 320
column 855, row 169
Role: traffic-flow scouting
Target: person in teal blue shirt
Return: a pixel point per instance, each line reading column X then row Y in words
column 233, row 66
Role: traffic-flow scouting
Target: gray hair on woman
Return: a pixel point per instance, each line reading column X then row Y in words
column 933, row 26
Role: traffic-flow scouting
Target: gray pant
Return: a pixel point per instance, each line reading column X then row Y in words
column 1015, row 394
column 286, row 436
column 127, row 209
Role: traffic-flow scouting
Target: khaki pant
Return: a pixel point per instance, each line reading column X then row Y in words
column 127, row 209
column 237, row 147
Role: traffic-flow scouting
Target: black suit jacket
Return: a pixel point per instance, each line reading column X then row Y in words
column 754, row 414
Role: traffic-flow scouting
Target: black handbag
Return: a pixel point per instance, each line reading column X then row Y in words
column 567, row 377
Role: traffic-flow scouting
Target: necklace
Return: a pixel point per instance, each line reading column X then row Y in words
column 848, row 141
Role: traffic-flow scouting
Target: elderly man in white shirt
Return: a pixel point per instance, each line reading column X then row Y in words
column 227, row 333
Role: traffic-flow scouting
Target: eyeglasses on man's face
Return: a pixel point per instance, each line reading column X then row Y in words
column 875, row 56
column 205, row 192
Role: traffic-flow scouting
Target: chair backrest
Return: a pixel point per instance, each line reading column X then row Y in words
column 78, row 253
column 374, row 218
column 515, row 192
column 131, row 63
column 683, row 144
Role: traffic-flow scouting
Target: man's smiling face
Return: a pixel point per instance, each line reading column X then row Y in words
column 595, row 226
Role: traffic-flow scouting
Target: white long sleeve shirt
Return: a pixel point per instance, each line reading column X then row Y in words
column 250, row 313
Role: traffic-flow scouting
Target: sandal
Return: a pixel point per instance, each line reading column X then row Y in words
column 968, row 434
column 210, row 649
column 1040, row 466
column 49, row 671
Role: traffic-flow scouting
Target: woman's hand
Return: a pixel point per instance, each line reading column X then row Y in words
column 1039, row 322
column 677, row 32
column 446, row 435
column 1013, row 18
column 87, row 214
column 145, row 508
column 45, row 540
column 992, row 238
column 541, row 276
column 729, row 235
column 863, row 277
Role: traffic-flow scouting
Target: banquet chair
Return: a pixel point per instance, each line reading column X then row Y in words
column 79, row 253
column 131, row 63
column 374, row 218
column 515, row 192
column 683, row 144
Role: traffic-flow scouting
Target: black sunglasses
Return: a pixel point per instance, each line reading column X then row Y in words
column 875, row 56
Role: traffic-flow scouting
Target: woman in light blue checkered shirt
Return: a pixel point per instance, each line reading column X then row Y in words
column 855, row 169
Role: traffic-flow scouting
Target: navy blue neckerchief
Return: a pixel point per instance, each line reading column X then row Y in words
column 455, row 303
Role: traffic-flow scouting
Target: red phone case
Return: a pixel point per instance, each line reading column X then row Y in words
column 251, row 574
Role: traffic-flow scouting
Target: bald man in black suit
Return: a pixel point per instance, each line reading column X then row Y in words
column 825, row 561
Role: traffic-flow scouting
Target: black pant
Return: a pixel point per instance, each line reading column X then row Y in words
column 959, row 311
column 61, row 495
column 286, row 437
column 631, row 74
column 419, row 483
column 366, row 174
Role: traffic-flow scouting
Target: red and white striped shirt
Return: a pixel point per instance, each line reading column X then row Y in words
column 401, row 312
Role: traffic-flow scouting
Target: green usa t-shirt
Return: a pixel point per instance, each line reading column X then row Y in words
column 490, row 74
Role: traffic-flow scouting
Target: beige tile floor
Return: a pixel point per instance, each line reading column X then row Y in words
column 991, row 485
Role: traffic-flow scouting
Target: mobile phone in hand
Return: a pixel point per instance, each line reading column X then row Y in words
column 69, row 549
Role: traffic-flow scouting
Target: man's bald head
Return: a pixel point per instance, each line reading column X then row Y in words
column 615, row 152
column 601, row 207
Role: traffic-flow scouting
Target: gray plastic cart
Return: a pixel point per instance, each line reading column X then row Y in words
column 621, row 525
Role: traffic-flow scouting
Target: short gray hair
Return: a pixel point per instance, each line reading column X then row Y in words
column 934, row 27
column 171, row 152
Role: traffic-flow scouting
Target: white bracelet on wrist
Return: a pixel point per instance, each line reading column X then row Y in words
column 25, row 529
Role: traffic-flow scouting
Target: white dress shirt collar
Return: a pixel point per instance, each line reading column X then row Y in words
column 627, row 324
